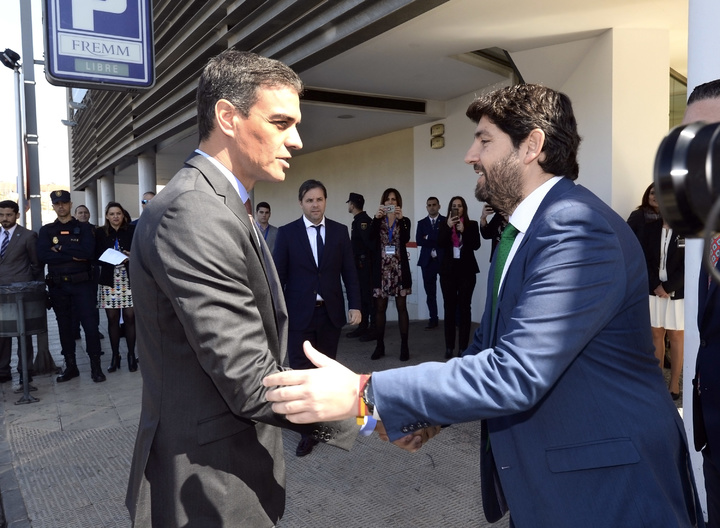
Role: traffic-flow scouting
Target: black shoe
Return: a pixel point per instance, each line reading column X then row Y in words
column 404, row 352
column 379, row 351
column 102, row 336
column 358, row 332
column 96, row 372
column 449, row 353
column 70, row 373
column 132, row 362
column 369, row 335
column 4, row 379
column 305, row 446
column 432, row 323
column 114, row 363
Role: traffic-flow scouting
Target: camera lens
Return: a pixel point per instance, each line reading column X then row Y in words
column 687, row 176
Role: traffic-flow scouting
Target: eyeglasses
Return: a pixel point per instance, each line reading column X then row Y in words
column 144, row 202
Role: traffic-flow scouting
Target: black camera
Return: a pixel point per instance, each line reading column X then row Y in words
column 687, row 178
column 687, row 183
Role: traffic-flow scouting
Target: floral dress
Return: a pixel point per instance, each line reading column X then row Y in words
column 390, row 265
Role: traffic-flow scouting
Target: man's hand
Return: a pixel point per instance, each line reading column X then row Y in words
column 329, row 392
column 354, row 317
column 412, row 442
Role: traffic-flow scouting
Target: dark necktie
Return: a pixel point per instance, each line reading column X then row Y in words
column 503, row 250
column 5, row 242
column 320, row 244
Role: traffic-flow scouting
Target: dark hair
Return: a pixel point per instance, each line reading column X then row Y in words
column 262, row 204
column 520, row 109
column 149, row 192
column 236, row 76
column 465, row 216
column 709, row 90
column 9, row 204
column 432, row 198
column 126, row 217
column 308, row 185
column 83, row 206
column 645, row 203
column 386, row 194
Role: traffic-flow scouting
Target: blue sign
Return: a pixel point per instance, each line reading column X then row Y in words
column 102, row 44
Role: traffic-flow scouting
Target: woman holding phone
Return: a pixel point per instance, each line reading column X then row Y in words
column 391, row 272
column 460, row 237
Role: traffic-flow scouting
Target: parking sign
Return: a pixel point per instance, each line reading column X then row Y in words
column 105, row 44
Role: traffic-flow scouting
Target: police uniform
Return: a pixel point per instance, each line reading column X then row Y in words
column 68, row 250
column 363, row 248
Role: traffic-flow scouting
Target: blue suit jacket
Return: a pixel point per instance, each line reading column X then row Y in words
column 302, row 280
column 706, row 407
column 581, row 424
column 425, row 229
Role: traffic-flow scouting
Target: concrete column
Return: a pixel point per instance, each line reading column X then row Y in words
column 107, row 194
column 91, row 202
column 703, row 66
column 147, row 175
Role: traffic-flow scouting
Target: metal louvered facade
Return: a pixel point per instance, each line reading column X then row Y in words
column 117, row 126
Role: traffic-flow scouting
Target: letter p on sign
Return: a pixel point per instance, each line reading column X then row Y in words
column 83, row 11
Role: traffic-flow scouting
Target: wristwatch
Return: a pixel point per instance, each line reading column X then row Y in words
column 368, row 396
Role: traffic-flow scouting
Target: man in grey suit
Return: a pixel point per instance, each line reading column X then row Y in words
column 18, row 263
column 578, row 428
column 211, row 319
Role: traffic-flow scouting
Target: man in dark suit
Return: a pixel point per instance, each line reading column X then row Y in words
column 704, row 105
column 578, row 428
column 211, row 319
column 431, row 255
column 314, row 258
column 18, row 263
column 363, row 247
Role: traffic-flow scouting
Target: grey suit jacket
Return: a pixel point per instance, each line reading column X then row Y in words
column 20, row 263
column 211, row 324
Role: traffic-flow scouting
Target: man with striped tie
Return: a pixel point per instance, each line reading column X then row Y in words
column 18, row 263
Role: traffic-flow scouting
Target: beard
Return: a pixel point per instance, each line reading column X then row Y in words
column 501, row 185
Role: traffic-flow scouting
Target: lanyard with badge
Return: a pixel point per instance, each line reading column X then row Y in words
column 390, row 249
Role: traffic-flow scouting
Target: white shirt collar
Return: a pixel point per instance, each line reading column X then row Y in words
column 10, row 231
column 309, row 224
column 525, row 211
column 239, row 187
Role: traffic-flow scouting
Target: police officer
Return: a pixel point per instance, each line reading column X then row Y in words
column 363, row 249
column 67, row 246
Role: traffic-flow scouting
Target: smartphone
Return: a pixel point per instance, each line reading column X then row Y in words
column 455, row 212
column 389, row 208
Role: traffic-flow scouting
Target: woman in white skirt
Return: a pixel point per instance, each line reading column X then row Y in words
column 665, row 256
column 114, row 292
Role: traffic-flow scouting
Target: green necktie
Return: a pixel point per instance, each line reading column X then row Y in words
column 503, row 250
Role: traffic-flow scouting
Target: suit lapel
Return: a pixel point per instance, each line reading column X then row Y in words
column 224, row 189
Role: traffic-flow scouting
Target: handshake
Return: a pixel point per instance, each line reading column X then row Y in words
column 328, row 393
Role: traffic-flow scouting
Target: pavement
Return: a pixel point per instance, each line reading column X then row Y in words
column 65, row 459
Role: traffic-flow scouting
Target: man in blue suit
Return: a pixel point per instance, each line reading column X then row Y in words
column 431, row 255
column 704, row 105
column 578, row 428
column 314, row 257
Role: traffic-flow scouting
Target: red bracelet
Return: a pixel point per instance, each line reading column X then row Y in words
column 362, row 408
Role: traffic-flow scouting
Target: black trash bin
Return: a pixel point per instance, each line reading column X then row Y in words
column 23, row 313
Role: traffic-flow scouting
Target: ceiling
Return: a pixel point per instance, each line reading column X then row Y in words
column 416, row 60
